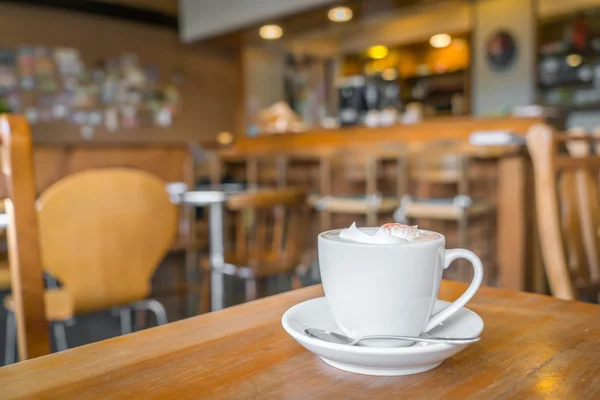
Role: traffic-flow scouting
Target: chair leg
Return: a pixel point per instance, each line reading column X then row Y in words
column 251, row 289
column 158, row 309
column 10, row 352
column 139, row 320
column 126, row 327
column 261, row 287
column 463, row 234
column 205, row 305
column 489, row 278
column 60, row 335
column 296, row 282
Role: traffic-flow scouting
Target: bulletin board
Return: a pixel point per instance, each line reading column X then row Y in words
column 82, row 78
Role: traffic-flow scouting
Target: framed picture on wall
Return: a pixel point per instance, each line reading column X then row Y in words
column 501, row 50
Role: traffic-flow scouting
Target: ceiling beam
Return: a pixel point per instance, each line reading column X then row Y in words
column 110, row 10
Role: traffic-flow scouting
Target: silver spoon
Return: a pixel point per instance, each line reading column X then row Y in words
column 338, row 338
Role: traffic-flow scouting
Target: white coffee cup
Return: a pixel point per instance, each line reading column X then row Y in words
column 388, row 289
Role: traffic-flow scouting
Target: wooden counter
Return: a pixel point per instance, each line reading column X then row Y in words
column 458, row 128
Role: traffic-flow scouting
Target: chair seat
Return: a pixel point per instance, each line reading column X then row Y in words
column 445, row 211
column 353, row 205
column 267, row 265
column 59, row 305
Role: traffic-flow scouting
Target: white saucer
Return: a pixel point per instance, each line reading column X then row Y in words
column 389, row 361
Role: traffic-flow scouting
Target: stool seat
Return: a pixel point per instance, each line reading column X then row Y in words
column 437, row 176
column 58, row 302
column 353, row 204
column 444, row 209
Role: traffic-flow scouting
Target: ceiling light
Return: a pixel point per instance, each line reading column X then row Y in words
column 378, row 52
column 574, row 60
column 340, row 14
column 440, row 41
column 389, row 74
column 270, row 32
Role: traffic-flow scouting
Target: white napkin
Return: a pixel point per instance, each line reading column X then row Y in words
column 495, row 138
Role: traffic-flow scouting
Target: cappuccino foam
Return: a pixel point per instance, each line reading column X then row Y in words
column 386, row 234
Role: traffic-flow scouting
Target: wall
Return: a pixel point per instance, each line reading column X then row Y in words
column 200, row 19
column 263, row 78
column 493, row 89
column 209, row 89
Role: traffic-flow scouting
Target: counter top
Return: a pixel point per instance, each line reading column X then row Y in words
column 451, row 128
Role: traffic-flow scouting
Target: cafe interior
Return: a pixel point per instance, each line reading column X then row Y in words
column 169, row 166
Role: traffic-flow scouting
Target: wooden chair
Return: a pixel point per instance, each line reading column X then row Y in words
column 568, row 210
column 269, row 240
column 101, row 233
column 23, row 238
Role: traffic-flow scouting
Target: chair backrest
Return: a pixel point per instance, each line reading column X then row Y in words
column 441, row 162
column 24, row 250
column 270, row 225
column 267, row 170
column 568, row 210
column 103, row 233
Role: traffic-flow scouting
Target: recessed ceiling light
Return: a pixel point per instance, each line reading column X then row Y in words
column 340, row 14
column 440, row 41
column 270, row 32
column 378, row 52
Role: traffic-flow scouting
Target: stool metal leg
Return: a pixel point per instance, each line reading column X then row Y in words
column 125, row 313
column 158, row 309
column 152, row 305
column 10, row 353
column 60, row 335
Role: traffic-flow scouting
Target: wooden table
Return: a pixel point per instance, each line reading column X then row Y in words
column 533, row 347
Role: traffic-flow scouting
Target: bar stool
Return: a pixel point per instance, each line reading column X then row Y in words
column 269, row 240
column 443, row 164
column 361, row 167
column 267, row 170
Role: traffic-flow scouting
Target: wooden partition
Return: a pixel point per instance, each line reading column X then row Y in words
column 171, row 163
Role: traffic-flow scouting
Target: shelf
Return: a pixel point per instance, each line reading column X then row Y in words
column 586, row 55
column 568, row 108
column 433, row 97
column 569, row 85
column 415, row 78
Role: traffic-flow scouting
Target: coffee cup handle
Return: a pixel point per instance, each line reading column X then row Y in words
column 450, row 256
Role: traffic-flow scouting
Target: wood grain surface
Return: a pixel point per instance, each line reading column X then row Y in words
column 440, row 128
column 27, row 284
column 533, row 347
